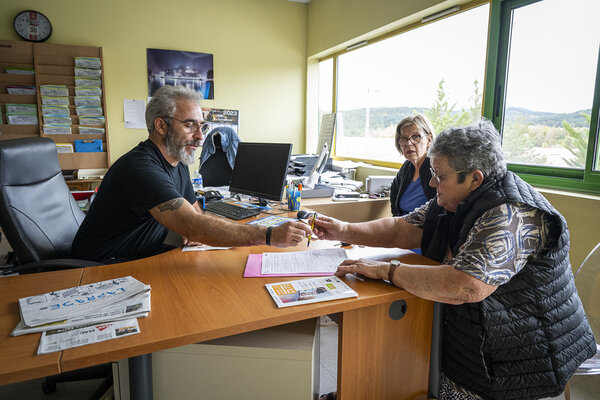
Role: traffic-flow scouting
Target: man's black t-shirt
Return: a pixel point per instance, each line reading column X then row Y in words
column 118, row 223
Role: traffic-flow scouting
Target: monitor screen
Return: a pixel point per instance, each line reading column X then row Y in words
column 260, row 169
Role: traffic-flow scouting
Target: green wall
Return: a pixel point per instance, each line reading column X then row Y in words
column 258, row 46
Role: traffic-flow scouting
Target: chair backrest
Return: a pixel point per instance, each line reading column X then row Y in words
column 38, row 214
column 587, row 280
column 216, row 170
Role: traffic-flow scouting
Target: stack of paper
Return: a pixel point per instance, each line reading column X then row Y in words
column 84, row 314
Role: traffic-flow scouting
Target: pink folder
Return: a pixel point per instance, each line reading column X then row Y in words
column 253, row 268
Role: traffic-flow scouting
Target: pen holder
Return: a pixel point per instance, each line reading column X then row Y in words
column 293, row 197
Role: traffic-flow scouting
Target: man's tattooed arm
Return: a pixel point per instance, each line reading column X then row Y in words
column 171, row 204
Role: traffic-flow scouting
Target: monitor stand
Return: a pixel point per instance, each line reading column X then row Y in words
column 261, row 202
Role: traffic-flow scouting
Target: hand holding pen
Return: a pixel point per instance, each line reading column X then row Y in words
column 312, row 226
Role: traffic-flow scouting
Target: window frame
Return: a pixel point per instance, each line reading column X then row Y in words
column 399, row 31
column 573, row 179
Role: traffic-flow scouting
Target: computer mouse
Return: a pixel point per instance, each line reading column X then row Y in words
column 304, row 214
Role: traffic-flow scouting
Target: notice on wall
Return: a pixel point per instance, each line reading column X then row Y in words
column 134, row 113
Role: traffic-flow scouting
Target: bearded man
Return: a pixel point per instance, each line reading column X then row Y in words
column 148, row 191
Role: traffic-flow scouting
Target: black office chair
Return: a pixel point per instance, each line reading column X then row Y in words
column 39, row 217
column 216, row 170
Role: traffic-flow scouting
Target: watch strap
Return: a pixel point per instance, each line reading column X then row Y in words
column 393, row 265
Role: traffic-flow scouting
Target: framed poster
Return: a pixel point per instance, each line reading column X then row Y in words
column 184, row 68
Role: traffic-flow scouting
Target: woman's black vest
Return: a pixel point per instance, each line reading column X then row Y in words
column 527, row 338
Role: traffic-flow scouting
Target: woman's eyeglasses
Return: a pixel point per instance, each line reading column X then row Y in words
column 192, row 125
column 440, row 178
column 414, row 139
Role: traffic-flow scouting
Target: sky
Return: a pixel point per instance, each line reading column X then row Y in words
column 554, row 55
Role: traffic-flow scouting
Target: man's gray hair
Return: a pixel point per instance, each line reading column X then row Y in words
column 472, row 147
column 164, row 101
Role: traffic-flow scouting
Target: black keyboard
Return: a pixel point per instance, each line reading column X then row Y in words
column 230, row 210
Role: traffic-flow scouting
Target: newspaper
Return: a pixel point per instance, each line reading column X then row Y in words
column 132, row 308
column 62, row 339
column 311, row 290
column 78, row 301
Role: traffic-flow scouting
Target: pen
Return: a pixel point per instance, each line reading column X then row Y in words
column 312, row 226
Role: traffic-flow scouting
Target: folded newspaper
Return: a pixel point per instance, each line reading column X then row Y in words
column 311, row 290
column 79, row 301
column 131, row 308
column 62, row 339
column 84, row 314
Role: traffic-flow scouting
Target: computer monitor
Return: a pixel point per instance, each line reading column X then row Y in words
column 317, row 170
column 326, row 132
column 260, row 170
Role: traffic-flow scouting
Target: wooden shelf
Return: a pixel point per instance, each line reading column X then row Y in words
column 54, row 65
column 82, row 160
column 18, row 130
column 18, row 98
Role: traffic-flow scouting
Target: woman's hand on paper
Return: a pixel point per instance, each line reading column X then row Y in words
column 368, row 268
column 290, row 234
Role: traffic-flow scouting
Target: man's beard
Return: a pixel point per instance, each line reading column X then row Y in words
column 176, row 148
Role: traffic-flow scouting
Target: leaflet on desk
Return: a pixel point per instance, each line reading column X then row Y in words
column 135, row 307
column 78, row 301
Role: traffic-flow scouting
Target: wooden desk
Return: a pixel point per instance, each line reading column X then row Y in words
column 18, row 354
column 197, row 296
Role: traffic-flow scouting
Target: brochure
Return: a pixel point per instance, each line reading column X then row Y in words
column 311, row 290
column 271, row 220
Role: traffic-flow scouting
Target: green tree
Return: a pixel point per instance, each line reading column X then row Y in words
column 576, row 142
column 442, row 114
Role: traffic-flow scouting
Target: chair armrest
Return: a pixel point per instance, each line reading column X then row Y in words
column 54, row 265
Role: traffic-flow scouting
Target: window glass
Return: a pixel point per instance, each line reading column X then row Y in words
column 325, row 88
column 436, row 69
column 551, row 73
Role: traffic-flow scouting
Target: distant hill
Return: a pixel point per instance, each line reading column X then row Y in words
column 386, row 117
column 576, row 119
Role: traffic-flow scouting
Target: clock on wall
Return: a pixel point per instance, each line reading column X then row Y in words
column 32, row 26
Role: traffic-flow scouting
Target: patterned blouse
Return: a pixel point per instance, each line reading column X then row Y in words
column 500, row 243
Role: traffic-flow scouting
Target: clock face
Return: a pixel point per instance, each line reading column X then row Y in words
column 32, row 26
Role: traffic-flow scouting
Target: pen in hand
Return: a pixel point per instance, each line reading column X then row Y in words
column 312, row 226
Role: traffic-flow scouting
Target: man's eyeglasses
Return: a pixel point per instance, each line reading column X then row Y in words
column 192, row 125
column 402, row 141
column 440, row 178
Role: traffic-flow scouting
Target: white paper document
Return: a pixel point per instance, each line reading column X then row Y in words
column 62, row 339
column 203, row 247
column 134, row 113
column 311, row 261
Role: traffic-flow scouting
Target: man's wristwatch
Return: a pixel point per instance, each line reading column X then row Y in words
column 393, row 265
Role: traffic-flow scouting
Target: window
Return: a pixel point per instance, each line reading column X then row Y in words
column 325, row 88
column 436, row 69
column 543, row 88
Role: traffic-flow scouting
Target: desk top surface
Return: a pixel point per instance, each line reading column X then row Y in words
column 196, row 296
column 18, row 354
